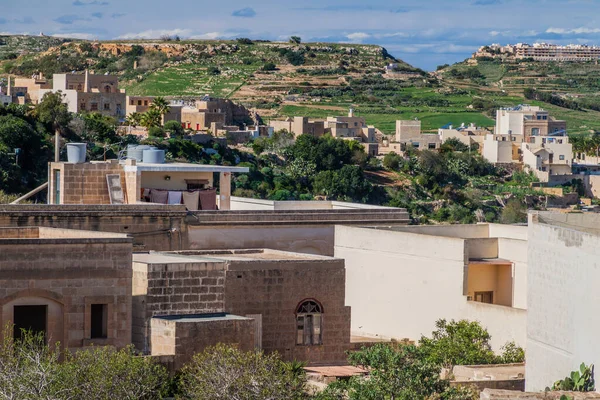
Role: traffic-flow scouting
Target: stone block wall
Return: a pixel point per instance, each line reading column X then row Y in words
column 187, row 337
column 68, row 276
column 82, row 183
column 274, row 289
column 174, row 289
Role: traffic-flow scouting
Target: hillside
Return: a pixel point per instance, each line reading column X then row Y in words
column 279, row 79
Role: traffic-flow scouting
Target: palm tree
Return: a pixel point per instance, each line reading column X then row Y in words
column 134, row 119
column 151, row 118
column 53, row 112
column 161, row 105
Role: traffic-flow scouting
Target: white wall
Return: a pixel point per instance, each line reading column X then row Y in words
column 563, row 299
column 399, row 283
column 515, row 250
column 242, row 203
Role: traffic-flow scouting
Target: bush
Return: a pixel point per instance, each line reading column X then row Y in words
column 224, row 372
column 392, row 161
column 174, row 129
column 212, row 70
column 156, row 132
column 269, row 67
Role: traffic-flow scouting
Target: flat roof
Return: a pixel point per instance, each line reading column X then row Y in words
column 183, row 167
column 220, row 256
column 201, row 317
column 45, row 233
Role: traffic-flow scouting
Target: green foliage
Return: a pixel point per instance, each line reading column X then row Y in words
column 458, row 343
column 212, row 70
column 223, row 372
column 578, row 381
column 269, row 67
column 31, row 370
column 515, row 212
column 244, row 41
column 156, row 132
column 512, row 354
column 174, row 129
column 295, row 39
column 53, row 112
column 392, row 161
column 345, row 184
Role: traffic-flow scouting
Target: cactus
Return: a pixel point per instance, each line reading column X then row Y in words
column 578, row 381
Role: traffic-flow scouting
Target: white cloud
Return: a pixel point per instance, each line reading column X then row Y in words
column 576, row 31
column 358, row 36
column 156, row 33
column 210, row 35
column 76, row 35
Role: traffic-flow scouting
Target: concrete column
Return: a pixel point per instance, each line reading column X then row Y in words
column 225, row 191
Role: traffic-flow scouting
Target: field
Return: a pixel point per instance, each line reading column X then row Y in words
column 192, row 80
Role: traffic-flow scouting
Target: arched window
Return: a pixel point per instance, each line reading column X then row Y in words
column 107, row 88
column 535, row 131
column 309, row 319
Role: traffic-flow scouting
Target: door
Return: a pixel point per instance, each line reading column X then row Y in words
column 30, row 318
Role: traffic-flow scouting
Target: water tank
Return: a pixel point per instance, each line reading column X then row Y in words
column 136, row 152
column 76, row 152
column 154, row 156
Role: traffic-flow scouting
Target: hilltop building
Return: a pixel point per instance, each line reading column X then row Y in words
column 541, row 52
column 299, row 126
column 27, row 90
column 353, row 128
column 409, row 134
column 89, row 92
column 468, row 135
column 529, row 135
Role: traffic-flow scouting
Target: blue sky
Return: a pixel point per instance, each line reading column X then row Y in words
column 425, row 33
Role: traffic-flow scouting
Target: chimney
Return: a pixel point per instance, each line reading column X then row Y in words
column 41, row 76
column 86, row 84
column 8, row 87
column 351, row 112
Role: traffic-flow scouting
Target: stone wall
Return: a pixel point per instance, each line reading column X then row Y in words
column 68, row 276
column 82, row 183
column 185, row 337
column 275, row 289
column 174, row 289
column 496, row 394
column 154, row 227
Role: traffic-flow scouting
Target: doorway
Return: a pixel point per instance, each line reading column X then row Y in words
column 30, row 318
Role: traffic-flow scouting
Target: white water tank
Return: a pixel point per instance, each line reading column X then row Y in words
column 154, row 156
column 76, row 153
column 136, row 151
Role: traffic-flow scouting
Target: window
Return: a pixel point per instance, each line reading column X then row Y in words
column 416, row 145
column 70, row 87
column 561, row 157
column 29, row 318
column 56, row 186
column 82, row 106
column 535, row 131
column 431, row 145
column 139, row 102
column 484, row 297
column 79, row 87
column 131, row 102
column 309, row 317
column 513, row 138
column 107, row 88
column 94, row 106
column 106, row 106
column 99, row 321
column 145, row 102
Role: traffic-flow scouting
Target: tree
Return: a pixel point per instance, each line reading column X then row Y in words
column 458, row 343
column 53, row 112
column 161, row 105
column 514, row 212
column 396, row 371
column 392, row 161
column 106, row 373
column 151, row 118
column 269, row 67
column 156, row 132
column 134, row 119
column 224, row 372
column 347, row 184
column 295, row 39
column 212, row 70
column 174, row 129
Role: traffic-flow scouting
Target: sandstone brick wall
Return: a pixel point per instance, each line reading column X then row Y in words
column 153, row 227
column 274, row 289
column 82, row 183
column 189, row 337
column 68, row 275
column 173, row 289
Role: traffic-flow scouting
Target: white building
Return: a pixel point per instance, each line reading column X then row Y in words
column 400, row 280
column 563, row 279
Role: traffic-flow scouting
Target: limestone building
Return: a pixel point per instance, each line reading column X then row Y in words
column 90, row 93
column 295, row 303
column 74, row 287
column 408, row 133
column 299, row 126
column 353, row 128
column 563, row 279
column 424, row 273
